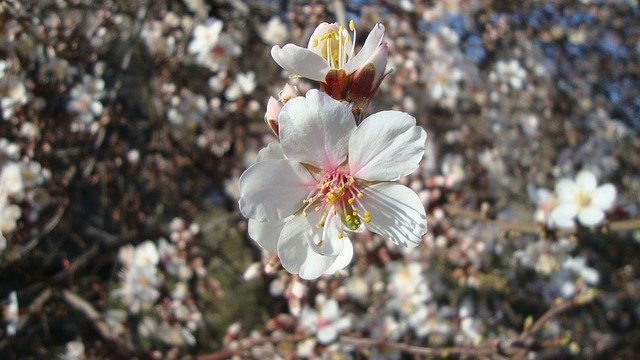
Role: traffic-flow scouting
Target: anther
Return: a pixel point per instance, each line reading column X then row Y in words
column 340, row 236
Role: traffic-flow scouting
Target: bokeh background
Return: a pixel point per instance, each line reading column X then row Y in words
column 126, row 124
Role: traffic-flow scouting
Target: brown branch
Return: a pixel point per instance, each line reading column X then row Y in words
column 249, row 343
column 482, row 351
column 532, row 228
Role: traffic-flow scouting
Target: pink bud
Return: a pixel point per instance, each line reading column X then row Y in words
column 271, row 116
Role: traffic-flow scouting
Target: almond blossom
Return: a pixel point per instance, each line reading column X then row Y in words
column 582, row 199
column 330, row 58
column 327, row 178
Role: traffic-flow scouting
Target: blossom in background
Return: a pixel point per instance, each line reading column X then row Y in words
column 211, row 47
column 331, row 59
column 188, row 109
column 140, row 278
column 13, row 94
column 583, row 199
column 509, row 72
column 326, row 323
column 85, row 99
column 11, row 315
column 244, row 84
column 328, row 177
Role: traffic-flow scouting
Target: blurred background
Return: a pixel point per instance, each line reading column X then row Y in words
column 126, row 124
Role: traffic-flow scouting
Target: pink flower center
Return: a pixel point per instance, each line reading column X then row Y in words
column 340, row 194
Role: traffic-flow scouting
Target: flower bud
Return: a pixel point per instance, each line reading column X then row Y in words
column 274, row 106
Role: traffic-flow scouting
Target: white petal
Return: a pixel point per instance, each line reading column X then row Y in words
column 273, row 151
column 327, row 334
column 266, row 234
column 370, row 45
column 566, row 190
column 292, row 248
column 343, row 259
column 315, row 130
column 586, row 181
column 315, row 265
column 562, row 215
column 273, row 189
column 295, row 254
column 590, row 216
column 300, row 61
column 386, row 146
column 330, row 310
column 604, row 196
column 396, row 213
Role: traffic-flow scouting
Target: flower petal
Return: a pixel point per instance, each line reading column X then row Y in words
column 562, row 215
column 386, row 146
column 315, row 130
column 273, row 189
column 590, row 216
column 266, row 234
column 300, row 61
column 315, row 265
column 273, row 151
column 396, row 213
column 292, row 249
column 604, row 196
column 566, row 190
column 327, row 334
column 343, row 259
column 586, row 181
column 370, row 45
column 295, row 254
column 325, row 240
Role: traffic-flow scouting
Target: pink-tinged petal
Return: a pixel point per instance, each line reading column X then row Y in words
column 315, row 130
column 604, row 196
column 590, row 216
column 386, row 146
column 586, row 181
column 396, row 213
column 566, row 190
column 272, row 151
column 563, row 215
column 300, row 61
column 370, row 45
column 326, row 241
column 274, row 189
column 343, row 259
column 266, row 234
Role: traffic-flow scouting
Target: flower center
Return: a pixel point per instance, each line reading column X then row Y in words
column 335, row 45
column 583, row 199
column 341, row 194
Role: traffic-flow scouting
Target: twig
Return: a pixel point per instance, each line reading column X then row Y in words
column 530, row 228
column 481, row 351
column 94, row 317
column 249, row 343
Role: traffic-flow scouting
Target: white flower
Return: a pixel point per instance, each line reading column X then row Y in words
column 328, row 177
column 274, row 32
column 245, row 84
column 140, row 278
column 331, row 48
column 326, row 323
column 13, row 94
column 85, row 99
column 583, row 199
column 211, row 48
column 11, row 315
column 188, row 109
column 509, row 72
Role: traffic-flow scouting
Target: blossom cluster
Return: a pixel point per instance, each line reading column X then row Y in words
column 328, row 179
